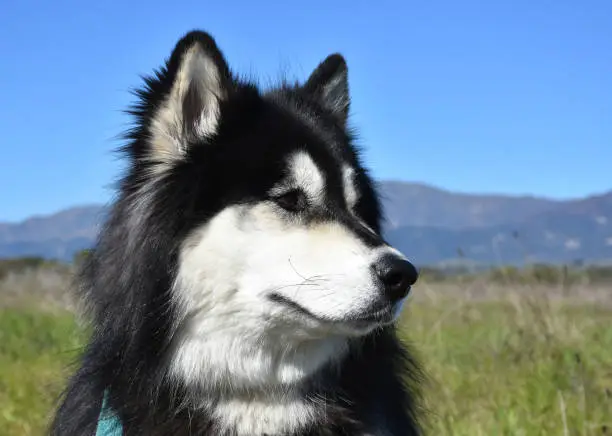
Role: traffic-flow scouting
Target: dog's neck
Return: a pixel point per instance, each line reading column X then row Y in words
column 253, row 385
column 305, row 410
column 286, row 413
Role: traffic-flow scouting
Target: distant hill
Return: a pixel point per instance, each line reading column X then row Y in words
column 67, row 224
column 430, row 225
column 497, row 229
column 56, row 236
column 413, row 204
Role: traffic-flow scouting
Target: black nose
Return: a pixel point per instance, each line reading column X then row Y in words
column 397, row 276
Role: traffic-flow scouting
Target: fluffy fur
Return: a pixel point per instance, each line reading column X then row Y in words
column 240, row 285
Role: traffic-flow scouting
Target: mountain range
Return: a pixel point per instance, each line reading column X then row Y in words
column 431, row 225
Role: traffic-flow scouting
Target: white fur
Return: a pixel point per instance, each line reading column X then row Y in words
column 233, row 340
column 307, row 175
column 166, row 130
column 228, row 268
column 350, row 193
column 278, row 414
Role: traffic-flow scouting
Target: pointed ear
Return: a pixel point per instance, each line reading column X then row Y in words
column 200, row 79
column 328, row 83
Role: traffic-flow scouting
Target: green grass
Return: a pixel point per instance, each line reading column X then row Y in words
column 520, row 366
column 35, row 349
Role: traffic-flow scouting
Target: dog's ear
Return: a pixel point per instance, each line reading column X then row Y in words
column 200, row 78
column 328, row 83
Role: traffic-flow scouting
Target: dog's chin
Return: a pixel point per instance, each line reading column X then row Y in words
column 351, row 324
column 362, row 324
column 359, row 326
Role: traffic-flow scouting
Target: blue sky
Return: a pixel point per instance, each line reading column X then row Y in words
column 473, row 96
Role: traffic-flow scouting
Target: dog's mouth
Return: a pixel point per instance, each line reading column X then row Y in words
column 374, row 317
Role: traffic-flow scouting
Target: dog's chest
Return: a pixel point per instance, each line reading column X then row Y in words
column 261, row 417
column 295, row 417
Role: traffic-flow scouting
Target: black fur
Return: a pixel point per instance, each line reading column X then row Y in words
column 125, row 283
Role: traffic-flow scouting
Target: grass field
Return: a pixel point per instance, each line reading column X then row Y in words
column 519, row 365
column 519, row 360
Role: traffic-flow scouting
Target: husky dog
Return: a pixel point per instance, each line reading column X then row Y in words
column 241, row 285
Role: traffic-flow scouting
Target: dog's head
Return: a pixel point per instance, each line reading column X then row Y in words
column 279, row 222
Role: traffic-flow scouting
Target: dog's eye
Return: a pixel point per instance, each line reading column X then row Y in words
column 292, row 201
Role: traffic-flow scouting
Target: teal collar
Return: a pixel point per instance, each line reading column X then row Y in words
column 108, row 422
